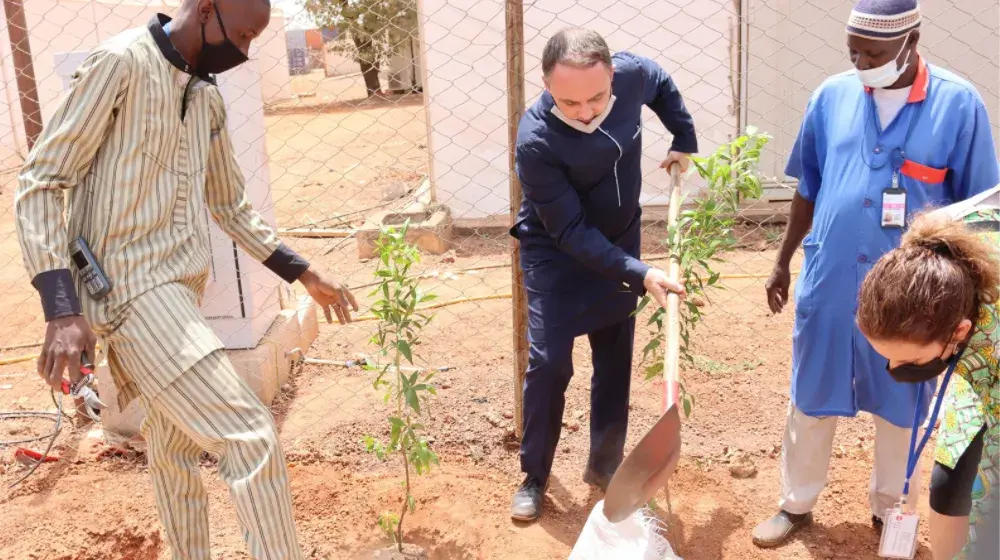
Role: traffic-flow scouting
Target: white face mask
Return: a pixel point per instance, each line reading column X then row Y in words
column 586, row 128
column 887, row 74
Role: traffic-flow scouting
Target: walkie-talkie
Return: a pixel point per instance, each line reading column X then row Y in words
column 96, row 282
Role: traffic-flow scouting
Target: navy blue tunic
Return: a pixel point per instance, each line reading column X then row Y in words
column 579, row 219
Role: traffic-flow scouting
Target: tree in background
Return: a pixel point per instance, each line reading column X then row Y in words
column 378, row 29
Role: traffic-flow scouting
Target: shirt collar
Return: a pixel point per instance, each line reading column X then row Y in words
column 919, row 90
column 167, row 48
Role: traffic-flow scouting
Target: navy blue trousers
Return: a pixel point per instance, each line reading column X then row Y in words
column 550, row 367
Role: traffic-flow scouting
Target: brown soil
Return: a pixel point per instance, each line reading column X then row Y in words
column 81, row 509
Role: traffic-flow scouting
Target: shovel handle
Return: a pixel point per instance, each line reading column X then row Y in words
column 671, row 355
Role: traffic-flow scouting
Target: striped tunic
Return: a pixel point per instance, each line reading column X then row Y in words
column 130, row 160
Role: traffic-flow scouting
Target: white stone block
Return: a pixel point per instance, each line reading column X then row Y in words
column 265, row 368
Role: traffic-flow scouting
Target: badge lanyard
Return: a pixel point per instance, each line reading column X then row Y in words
column 893, row 197
column 897, row 153
column 899, row 535
column 916, row 450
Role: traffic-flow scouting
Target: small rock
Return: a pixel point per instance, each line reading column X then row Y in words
column 573, row 426
column 448, row 260
column 508, row 415
column 838, row 453
column 744, row 469
column 476, row 453
column 698, row 302
column 579, row 414
column 493, row 419
column 449, row 419
column 566, row 449
column 286, row 388
column 444, row 386
column 393, row 191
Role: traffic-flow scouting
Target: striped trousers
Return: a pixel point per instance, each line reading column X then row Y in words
column 209, row 407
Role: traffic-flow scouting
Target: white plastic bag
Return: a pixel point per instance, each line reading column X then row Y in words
column 635, row 538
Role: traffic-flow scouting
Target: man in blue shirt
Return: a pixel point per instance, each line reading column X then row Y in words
column 578, row 158
column 876, row 145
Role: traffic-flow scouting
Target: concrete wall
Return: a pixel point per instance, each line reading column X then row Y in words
column 466, row 83
column 794, row 45
column 789, row 47
column 62, row 26
column 241, row 299
column 337, row 63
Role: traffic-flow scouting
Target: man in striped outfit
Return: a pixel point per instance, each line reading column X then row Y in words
column 139, row 147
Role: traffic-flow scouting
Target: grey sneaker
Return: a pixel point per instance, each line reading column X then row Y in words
column 777, row 530
column 527, row 502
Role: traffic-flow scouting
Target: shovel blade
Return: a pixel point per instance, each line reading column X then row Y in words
column 644, row 470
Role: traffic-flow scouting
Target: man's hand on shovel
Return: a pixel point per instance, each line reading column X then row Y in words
column 659, row 285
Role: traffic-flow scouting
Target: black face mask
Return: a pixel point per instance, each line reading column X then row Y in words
column 918, row 373
column 216, row 59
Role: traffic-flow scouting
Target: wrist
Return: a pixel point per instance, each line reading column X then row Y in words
column 69, row 317
column 307, row 277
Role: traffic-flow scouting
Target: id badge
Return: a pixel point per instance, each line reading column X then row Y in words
column 899, row 534
column 894, row 208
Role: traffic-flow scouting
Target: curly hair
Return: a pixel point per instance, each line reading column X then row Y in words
column 939, row 275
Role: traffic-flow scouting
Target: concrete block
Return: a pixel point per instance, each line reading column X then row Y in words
column 265, row 368
column 125, row 422
column 430, row 230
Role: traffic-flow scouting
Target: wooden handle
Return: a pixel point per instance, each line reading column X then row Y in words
column 671, row 355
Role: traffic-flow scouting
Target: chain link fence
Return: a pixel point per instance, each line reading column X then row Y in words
column 356, row 113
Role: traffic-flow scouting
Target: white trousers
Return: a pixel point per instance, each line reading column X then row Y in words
column 805, row 459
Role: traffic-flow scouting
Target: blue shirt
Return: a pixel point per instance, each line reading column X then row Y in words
column 941, row 145
column 579, row 219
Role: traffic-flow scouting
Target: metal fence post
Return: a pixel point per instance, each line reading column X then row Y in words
column 20, row 46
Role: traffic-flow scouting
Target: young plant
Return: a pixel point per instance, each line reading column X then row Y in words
column 703, row 231
column 407, row 391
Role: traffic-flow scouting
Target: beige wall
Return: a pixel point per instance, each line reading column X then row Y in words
column 76, row 27
column 790, row 46
column 466, row 82
column 794, row 45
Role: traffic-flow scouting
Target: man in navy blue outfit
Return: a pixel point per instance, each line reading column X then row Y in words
column 578, row 159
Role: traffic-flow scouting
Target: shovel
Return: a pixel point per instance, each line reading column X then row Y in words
column 648, row 467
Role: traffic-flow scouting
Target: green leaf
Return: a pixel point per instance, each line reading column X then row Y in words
column 411, row 503
column 642, row 305
column 654, row 370
column 404, row 349
column 687, row 408
column 412, row 400
column 652, row 345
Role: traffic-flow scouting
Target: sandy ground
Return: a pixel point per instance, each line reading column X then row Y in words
column 330, row 164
